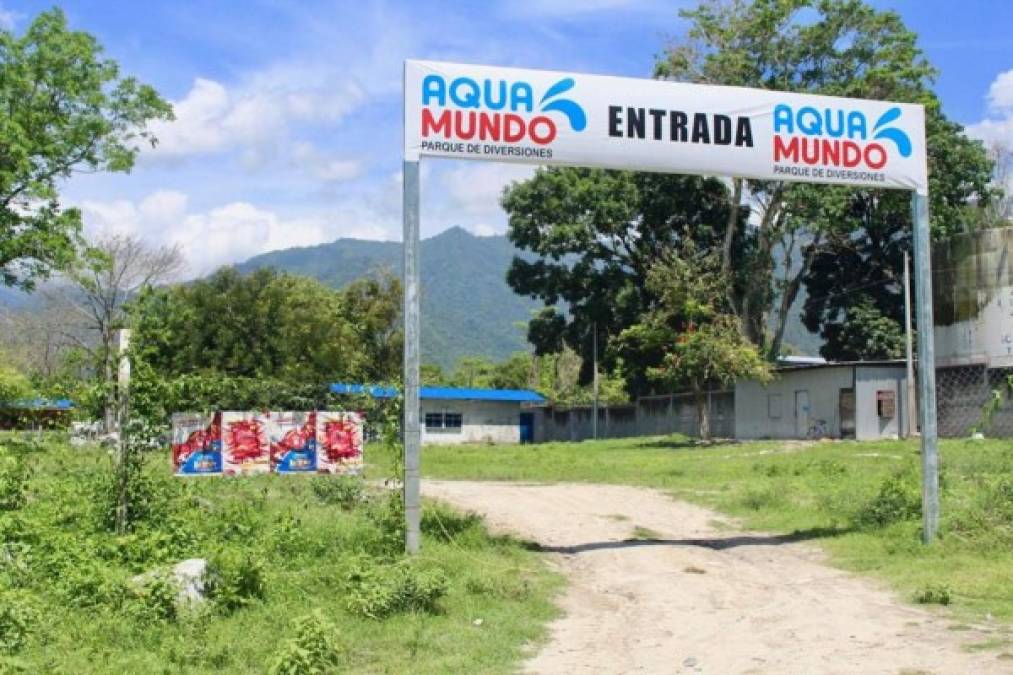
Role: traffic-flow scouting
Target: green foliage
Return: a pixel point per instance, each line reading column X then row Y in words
column 271, row 325
column 314, row 647
column 13, row 384
column 344, row 491
column 276, row 546
column 934, row 594
column 234, row 579
column 700, row 342
column 156, row 599
column 865, row 333
column 595, row 234
column 850, row 238
column 375, row 590
column 66, row 109
column 14, row 474
column 899, row 498
column 16, row 619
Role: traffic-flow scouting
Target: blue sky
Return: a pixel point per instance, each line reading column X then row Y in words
column 289, row 131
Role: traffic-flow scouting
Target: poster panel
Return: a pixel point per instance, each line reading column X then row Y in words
column 293, row 437
column 339, row 442
column 196, row 444
column 544, row 117
column 245, row 445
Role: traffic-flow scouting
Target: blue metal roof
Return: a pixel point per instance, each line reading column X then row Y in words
column 39, row 404
column 445, row 393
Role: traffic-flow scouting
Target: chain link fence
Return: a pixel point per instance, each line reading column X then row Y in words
column 974, row 398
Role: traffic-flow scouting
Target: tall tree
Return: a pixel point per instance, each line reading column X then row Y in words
column 596, row 234
column 690, row 324
column 63, row 108
column 269, row 325
column 835, row 47
column 853, row 274
column 112, row 271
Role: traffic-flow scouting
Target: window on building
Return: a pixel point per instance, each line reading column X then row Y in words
column 774, row 406
column 444, row 421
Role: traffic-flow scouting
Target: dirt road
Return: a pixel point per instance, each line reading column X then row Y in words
column 703, row 599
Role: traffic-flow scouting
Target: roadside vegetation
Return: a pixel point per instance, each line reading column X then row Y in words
column 860, row 501
column 305, row 575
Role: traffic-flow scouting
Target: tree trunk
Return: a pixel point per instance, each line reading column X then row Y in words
column 702, row 411
column 788, row 298
column 109, row 380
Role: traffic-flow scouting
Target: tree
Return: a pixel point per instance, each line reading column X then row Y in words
column 596, row 234
column 700, row 340
column 834, row 47
column 269, row 325
column 859, row 260
column 65, row 109
column 110, row 273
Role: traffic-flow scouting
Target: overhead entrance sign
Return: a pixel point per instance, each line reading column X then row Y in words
column 543, row 117
column 551, row 118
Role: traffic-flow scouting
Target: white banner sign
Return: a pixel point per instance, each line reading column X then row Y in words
column 543, row 117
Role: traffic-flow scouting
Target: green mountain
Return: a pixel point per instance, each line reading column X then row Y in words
column 467, row 307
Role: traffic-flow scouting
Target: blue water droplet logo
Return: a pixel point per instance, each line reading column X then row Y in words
column 899, row 137
column 574, row 113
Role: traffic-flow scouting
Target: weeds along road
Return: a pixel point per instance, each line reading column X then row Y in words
column 691, row 596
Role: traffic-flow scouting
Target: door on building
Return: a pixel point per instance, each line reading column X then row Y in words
column 802, row 413
column 847, row 413
column 527, row 427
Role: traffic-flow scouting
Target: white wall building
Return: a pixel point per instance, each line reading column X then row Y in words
column 865, row 400
column 452, row 415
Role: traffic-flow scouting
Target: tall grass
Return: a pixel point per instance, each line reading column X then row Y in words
column 306, row 575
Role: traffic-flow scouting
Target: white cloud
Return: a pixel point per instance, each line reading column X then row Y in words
column 471, row 193
column 327, row 169
column 225, row 234
column 997, row 126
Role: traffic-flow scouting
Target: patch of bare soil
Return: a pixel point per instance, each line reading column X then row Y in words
column 655, row 587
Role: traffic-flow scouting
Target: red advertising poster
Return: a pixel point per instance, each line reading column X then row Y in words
column 197, row 444
column 339, row 442
column 245, row 446
column 293, row 437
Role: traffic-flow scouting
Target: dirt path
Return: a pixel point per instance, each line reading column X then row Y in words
column 702, row 600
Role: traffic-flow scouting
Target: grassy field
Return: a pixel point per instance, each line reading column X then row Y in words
column 860, row 501
column 305, row 572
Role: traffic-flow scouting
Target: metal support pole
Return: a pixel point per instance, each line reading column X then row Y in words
column 911, row 410
column 926, row 367
column 594, row 360
column 412, row 433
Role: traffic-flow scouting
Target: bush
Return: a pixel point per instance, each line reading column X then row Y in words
column 14, row 476
column 899, row 498
column 235, row 579
column 16, row 617
column 312, row 649
column 157, row 599
column 376, row 591
column 934, row 594
column 343, row 491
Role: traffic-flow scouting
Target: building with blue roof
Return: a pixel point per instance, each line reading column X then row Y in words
column 465, row 415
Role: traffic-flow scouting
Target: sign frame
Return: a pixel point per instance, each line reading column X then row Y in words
column 489, row 111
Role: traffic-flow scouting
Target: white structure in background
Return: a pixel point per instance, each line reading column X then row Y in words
column 452, row 416
column 865, row 400
column 973, row 298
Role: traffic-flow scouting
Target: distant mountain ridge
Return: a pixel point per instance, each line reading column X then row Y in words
column 467, row 307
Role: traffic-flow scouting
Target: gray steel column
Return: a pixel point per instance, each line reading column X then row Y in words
column 926, row 367
column 412, row 434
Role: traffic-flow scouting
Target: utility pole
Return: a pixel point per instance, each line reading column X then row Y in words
column 122, row 442
column 594, row 348
column 911, row 410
